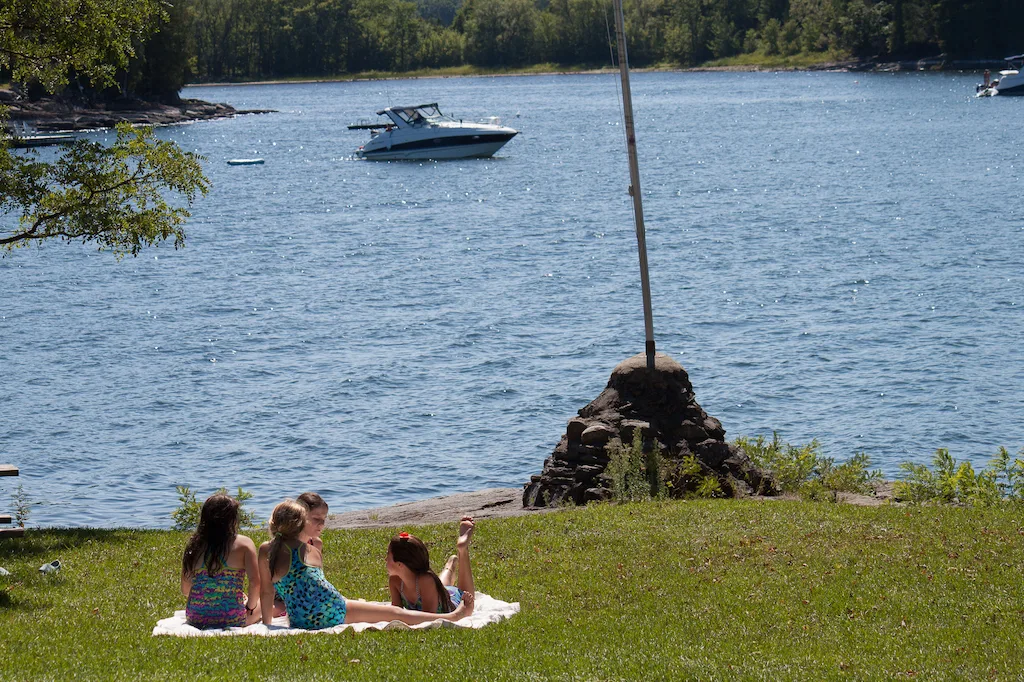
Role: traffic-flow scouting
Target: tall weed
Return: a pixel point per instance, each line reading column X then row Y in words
column 636, row 475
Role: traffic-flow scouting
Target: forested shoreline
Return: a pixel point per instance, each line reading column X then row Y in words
column 197, row 41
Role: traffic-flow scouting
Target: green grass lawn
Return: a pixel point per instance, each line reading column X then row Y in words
column 677, row 590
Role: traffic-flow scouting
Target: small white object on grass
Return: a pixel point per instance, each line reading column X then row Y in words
column 51, row 567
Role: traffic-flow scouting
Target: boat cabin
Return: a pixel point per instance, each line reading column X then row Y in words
column 1013, row 65
column 418, row 115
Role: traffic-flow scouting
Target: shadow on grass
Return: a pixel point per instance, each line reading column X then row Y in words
column 43, row 543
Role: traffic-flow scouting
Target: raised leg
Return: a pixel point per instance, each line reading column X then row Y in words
column 465, row 582
column 450, row 570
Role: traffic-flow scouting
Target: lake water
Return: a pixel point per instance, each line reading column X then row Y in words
column 833, row 255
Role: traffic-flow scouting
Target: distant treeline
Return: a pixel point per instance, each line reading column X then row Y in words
column 215, row 40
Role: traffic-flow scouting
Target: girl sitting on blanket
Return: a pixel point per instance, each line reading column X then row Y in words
column 216, row 562
column 415, row 586
column 316, row 519
column 295, row 569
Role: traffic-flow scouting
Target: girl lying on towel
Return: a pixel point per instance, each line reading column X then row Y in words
column 414, row 585
column 216, row 562
column 295, row 569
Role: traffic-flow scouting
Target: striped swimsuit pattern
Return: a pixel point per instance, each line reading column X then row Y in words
column 217, row 600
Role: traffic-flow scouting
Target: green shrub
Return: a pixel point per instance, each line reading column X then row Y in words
column 691, row 481
column 950, row 482
column 791, row 465
column 802, row 469
column 814, row 490
column 186, row 516
column 708, row 487
column 852, row 476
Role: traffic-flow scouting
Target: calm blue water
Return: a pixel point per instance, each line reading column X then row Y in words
column 835, row 256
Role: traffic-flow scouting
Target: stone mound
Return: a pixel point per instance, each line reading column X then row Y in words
column 660, row 403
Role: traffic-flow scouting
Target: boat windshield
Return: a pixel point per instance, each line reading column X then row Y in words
column 419, row 115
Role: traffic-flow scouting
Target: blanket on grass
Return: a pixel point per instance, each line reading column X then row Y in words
column 487, row 610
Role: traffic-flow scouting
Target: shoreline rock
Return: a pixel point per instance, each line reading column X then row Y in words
column 59, row 114
column 658, row 404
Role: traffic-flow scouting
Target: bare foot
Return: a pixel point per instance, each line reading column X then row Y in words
column 465, row 532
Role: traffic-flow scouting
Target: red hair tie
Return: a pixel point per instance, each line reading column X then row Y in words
column 403, row 535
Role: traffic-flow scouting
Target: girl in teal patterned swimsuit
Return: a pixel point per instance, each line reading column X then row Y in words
column 216, row 562
column 295, row 569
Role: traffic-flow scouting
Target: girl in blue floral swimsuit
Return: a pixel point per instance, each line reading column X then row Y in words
column 295, row 568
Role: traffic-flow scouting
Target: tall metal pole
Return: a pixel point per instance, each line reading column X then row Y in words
column 634, row 179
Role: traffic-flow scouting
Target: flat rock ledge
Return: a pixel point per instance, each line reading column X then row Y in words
column 56, row 114
column 661, row 404
column 495, row 503
column 482, row 504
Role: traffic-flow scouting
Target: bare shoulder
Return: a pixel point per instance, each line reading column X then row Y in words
column 311, row 556
column 426, row 584
column 244, row 542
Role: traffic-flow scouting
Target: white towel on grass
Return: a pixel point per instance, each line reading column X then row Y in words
column 487, row 610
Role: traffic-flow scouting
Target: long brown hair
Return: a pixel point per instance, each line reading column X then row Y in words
column 213, row 537
column 286, row 522
column 411, row 551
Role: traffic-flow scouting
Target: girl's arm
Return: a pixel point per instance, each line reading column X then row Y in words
column 186, row 583
column 252, row 572
column 266, row 584
column 428, row 593
column 395, row 588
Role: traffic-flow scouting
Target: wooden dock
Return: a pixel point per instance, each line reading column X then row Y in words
column 5, row 519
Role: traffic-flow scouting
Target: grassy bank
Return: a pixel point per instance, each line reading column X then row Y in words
column 794, row 62
column 462, row 71
column 746, row 62
column 675, row 590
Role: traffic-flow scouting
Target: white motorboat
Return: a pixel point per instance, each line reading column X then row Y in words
column 1010, row 81
column 423, row 132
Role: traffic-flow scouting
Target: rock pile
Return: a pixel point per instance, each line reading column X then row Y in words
column 661, row 404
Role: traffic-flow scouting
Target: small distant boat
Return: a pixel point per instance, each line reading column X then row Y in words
column 1010, row 81
column 23, row 141
column 423, row 132
column 245, row 162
